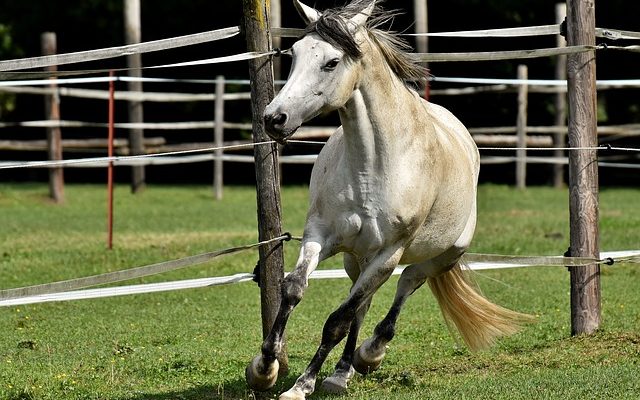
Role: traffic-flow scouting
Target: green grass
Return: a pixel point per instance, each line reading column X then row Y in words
column 195, row 344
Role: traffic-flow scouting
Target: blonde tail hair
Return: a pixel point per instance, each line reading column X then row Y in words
column 479, row 321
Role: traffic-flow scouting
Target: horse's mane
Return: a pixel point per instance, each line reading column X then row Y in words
column 333, row 28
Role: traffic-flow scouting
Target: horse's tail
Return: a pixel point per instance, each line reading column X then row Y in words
column 479, row 321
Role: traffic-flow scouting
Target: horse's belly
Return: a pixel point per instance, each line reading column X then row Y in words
column 437, row 235
column 426, row 246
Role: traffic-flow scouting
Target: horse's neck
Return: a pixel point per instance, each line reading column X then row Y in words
column 374, row 121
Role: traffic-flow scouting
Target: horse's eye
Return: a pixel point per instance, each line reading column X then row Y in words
column 331, row 65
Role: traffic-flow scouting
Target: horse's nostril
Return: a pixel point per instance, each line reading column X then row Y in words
column 279, row 119
column 275, row 122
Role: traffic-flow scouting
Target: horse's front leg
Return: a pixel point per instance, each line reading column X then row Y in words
column 337, row 325
column 344, row 371
column 262, row 372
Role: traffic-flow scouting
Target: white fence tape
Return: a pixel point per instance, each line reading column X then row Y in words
column 165, row 97
column 170, row 157
column 11, row 86
column 600, row 84
column 124, row 125
column 246, row 277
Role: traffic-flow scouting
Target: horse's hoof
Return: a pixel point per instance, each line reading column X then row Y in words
column 335, row 385
column 260, row 377
column 365, row 363
column 292, row 394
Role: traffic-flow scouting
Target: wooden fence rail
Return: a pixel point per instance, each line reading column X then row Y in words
column 500, row 136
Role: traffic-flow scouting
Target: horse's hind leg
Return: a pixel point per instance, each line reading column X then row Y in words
column 368, row 357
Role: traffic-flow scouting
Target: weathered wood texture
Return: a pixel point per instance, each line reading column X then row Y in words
column 256, row 23
column 132, row 31
column 275, row 21
column 583, row 167
column 218, row 138
column 48, row 42
column 559, row 138
column 521, row 128
column 421, row 13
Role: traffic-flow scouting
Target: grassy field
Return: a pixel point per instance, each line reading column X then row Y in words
column 195, row 344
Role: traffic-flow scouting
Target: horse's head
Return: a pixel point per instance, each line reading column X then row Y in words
column 324, row 71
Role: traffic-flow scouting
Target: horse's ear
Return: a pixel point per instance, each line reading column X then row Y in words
column 308, row 14
column 361, row 18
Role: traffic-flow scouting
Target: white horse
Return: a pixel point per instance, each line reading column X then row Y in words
column 395, row 184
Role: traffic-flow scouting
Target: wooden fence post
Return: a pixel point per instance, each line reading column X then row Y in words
column 276, row 22
column 48, row 43
column 110, row 138
column 521, row 128
column 559, row 138
column 133, row 34
column 421, row 13
column 258, row 36
column 583, row 167
column 218, row 134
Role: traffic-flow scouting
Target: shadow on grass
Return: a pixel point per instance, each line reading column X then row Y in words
column 230, row 390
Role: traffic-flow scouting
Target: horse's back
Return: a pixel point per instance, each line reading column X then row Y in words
column 444, row 120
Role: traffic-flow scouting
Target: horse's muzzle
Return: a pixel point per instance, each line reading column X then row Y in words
column 276, row 126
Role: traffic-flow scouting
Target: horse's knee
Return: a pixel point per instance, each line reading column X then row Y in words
column 293, row 288
column 337, row 326
column 385, row 330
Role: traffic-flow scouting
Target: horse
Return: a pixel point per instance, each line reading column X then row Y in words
column 395, row 184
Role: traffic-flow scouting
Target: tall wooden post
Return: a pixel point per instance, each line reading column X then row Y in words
column 258, row 35
column 420, row 12
column 276, row 22
column 521, row 128
column 110, row 135
column 560, row 138
column 48, row 43
column 133, row 35
column 218, row 136
column 583, row 167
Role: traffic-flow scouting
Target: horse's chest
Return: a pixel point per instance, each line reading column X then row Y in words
column 364, row 221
